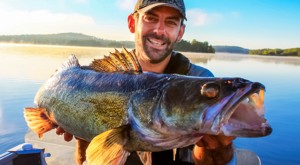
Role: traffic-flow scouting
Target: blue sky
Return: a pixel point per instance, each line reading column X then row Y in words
column 252, row 24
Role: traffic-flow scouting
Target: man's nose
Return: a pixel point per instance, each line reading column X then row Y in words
column 160, row 28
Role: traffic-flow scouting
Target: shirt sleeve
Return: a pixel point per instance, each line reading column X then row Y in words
column 196, row 70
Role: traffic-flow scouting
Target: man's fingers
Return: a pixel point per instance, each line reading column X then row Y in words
column 68, row 137
column 214, row 141
column 200, row 143
column 60, row 131
column 226, row 140
column 213, row 149
column 211, row 142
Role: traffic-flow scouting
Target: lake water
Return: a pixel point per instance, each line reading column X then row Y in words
column 24, row 68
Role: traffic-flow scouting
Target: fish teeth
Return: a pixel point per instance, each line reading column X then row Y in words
column 257, row 102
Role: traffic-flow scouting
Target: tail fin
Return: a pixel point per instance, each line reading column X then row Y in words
column 38, row 120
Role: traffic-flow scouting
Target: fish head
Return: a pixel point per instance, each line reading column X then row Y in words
column 229, row 106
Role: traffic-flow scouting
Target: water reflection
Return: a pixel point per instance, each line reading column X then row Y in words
column 264, row 59
column 37, row 63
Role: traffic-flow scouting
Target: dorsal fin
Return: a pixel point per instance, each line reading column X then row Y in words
column 71, row 61
column 117, row 62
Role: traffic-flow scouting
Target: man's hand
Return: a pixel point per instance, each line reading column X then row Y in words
column 67, row 136
column 213, row 150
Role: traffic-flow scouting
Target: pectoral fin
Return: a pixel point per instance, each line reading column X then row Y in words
column 107, row 148
column 38, row 120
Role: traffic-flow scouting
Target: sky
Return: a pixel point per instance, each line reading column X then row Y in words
column 252, row 24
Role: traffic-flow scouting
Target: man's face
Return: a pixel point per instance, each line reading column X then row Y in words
column 156, row 32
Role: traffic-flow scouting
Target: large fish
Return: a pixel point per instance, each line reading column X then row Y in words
column 120, row 109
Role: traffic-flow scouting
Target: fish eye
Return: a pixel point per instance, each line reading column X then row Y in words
column 210, row 90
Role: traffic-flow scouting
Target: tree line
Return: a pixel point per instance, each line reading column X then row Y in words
column 194, row 46
column 276, row 52
column 67, row 39
column 77, row 39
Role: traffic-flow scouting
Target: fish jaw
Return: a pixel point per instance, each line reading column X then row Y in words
column 244, row 115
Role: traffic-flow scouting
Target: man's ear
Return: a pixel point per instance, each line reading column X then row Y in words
column 131, row 23
column 181, row 33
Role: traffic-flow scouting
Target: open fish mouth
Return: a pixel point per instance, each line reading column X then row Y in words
column 245, row 116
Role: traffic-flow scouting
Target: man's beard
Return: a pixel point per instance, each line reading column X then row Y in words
column 156, row 56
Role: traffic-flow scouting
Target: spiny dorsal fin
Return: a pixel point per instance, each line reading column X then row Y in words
column 71, row 61
column 117, row 62
column 133, row 63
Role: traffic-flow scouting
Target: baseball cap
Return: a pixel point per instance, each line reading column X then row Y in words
column 146, row 5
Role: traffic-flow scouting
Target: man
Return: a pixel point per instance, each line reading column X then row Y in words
column 157, row 26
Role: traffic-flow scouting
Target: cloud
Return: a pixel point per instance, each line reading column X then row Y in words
column 126, row 4
column 196, row 17
column 42, row 21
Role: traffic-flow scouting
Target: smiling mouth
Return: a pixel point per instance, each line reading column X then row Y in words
column 156, row 42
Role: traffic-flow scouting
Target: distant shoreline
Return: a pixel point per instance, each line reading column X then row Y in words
column 82, row 40
column 192, row 55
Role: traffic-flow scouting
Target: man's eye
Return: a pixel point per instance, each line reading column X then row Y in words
column 150, row 19
column 172, row 23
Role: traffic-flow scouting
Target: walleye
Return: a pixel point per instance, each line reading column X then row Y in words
column 120, row 109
